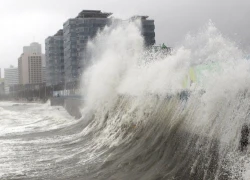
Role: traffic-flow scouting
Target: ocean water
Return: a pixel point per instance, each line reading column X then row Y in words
column 136, row 122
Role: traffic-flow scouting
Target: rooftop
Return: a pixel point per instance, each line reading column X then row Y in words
column 139, row 17
column 59, row 33
column 93, row 14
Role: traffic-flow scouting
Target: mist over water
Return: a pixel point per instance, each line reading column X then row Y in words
column 145, row 116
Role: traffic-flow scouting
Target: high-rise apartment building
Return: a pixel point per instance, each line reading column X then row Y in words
column 76, row 33
column 10, row 78
column 147, row 29
column 30, row 64
column 54, row 59
column 66, row 55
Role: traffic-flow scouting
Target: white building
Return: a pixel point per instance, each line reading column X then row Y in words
column 30, row 64
column 10, row 78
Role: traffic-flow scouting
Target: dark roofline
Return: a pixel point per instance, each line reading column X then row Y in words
column 139, row 17
column 93, row 14
column 90, row 11
column 59, row 33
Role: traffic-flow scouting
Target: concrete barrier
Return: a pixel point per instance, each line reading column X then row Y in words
column 57, row 101
column 71, row 104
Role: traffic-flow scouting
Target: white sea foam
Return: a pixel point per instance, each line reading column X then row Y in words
column 121, row 68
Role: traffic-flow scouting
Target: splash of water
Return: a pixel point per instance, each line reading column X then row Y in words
column 128, row 88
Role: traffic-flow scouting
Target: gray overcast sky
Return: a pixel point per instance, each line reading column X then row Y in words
column 24, row 21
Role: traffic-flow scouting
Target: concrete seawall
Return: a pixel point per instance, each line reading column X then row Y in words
column 71, row 104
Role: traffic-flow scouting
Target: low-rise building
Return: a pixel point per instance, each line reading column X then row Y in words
column 10, row 78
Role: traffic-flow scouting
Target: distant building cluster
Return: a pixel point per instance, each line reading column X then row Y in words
column 65, row 55
column 30, row 71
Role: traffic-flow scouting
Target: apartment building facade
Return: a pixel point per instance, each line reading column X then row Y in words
column 65, row 52
column 54, row 55
column 147, row 29
column 76, row 33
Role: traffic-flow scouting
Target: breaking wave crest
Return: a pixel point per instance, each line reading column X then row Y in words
column 168, row 117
